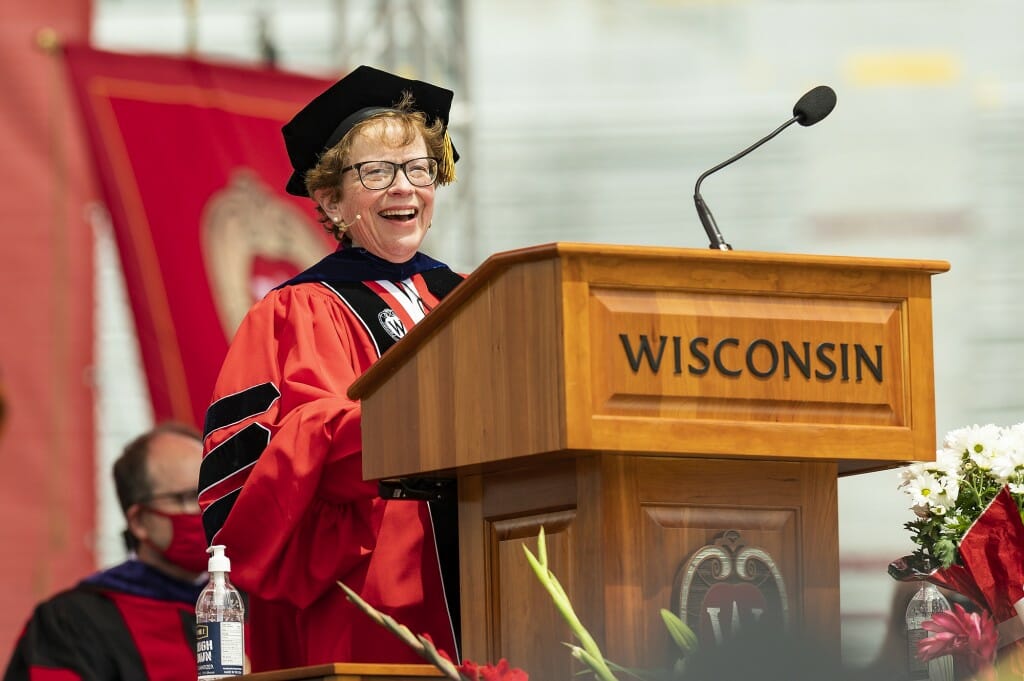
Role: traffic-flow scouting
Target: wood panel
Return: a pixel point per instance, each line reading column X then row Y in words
column 349, row 672
column 775, row 355
column 848, row 304
column 513, row 615
column 530, row 350
column 619, row 528
column 527, row 615
column 499, row 360
column 475, row 568
column 673, row 533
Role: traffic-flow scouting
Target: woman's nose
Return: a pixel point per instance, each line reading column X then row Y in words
column 401, row 184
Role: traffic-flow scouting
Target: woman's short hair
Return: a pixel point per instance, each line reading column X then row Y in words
column 404, row 119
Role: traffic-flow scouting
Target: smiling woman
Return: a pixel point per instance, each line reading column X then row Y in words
column 384, row 211
column 281, row 483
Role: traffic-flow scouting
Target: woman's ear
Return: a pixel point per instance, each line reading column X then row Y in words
column 328, row 201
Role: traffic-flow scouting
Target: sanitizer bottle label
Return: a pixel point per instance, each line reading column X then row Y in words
column 219, row 650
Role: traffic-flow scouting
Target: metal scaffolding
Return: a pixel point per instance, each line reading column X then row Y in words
column 422, row 39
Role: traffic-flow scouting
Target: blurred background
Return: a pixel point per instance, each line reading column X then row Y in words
column 577, row 120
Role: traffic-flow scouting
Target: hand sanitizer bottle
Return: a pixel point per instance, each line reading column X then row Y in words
column 220, row 649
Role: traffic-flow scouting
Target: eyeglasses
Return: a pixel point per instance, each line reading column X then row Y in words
column 376, row 175
column 183, row 499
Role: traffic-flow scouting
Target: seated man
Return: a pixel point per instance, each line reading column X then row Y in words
column 135, row 621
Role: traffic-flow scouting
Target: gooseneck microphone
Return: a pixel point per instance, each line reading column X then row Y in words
column 809, row 109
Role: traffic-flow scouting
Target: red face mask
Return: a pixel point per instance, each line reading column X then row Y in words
column 187, row 549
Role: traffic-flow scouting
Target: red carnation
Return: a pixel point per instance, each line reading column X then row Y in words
column 971, row 637
column 499, row 672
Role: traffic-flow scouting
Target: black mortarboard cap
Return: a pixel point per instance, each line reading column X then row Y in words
column 365, row 91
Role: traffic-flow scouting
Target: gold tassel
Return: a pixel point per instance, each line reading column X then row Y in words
column 446, row 170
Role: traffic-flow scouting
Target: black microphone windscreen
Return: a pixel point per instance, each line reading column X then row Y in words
column 815, row 105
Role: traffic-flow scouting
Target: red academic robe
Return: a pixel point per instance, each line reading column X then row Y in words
column 128, row 623
column 282, row 483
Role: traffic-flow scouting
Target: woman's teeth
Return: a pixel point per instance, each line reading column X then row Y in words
column 404, row 214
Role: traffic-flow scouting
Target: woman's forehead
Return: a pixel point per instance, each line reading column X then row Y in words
column 387, row 135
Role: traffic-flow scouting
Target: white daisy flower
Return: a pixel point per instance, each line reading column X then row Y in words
column 1007, row 464
column 926, row 489
column 980, row 443
column 949, row 461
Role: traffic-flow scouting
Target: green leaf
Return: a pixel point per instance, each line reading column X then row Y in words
column 945, row 552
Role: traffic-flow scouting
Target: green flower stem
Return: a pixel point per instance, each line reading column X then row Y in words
column 590, row 654
column 421, row 645
column 683, row 635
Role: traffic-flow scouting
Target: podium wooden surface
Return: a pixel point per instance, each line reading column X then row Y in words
column 639, row 402
column 349, row 672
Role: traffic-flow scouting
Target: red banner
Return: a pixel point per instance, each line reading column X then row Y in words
column 192, row 167
column 47, row 497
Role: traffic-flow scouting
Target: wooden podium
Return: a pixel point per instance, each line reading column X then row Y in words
column 651, row 408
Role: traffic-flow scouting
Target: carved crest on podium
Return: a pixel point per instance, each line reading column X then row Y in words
column 727, row 585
